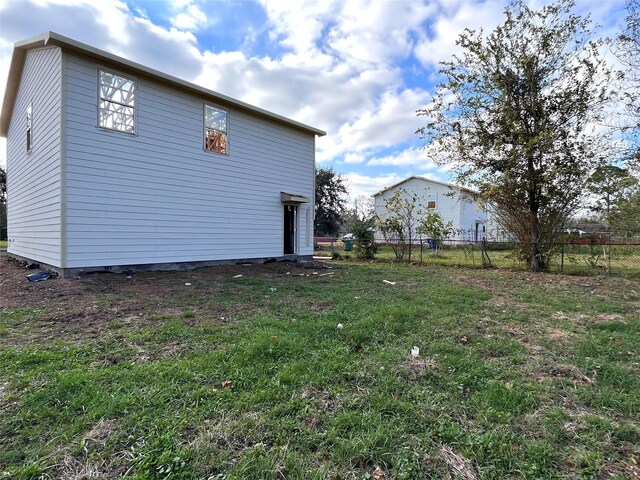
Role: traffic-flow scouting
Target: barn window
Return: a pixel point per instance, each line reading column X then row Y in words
column 117, row 102
column 215, row 129
column 431, row 200
column 29, row 128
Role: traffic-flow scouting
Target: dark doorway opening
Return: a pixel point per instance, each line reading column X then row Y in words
column 290, row 229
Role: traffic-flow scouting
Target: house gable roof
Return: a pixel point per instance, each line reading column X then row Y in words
column 54, row 39
column 416, row 177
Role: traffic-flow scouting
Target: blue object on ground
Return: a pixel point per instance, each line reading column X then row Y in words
column 39, row 276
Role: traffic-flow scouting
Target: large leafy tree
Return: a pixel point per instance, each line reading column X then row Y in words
column 609, row 184
column 362, row 211
column 330, row 201
column 628, row 51
column 625, row 217
column 514, row 117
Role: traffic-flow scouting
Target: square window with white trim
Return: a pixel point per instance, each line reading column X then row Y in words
column 431, row 201
column 215, row 129
column 116, row 102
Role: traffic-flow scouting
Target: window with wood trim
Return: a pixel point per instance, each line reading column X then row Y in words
column 215, row 129
column 116, row 102
column 431, row 201
column 29, row 127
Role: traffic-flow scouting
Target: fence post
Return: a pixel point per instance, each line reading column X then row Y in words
column 473, row 258
column 420, row 249
column 562, row 257
column 609, row 259
column 486, row 261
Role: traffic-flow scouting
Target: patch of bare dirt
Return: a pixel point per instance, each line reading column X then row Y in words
column 556, row 371
column 565, row 316
column 560, row 336
column 482, row 283
column 89, row 306
column 534, row 349
column 627, row 467
column 504, row 280
column 502, row 302
column 526, row 339
column 4, row 389
column 101, row 431
column 19, row 292
column 421, row 365
column 319, row 307
column 516, row 332
column 323, row 400
column 235, row 434
column 607, row 318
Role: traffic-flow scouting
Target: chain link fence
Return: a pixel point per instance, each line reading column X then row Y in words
column 580, row 257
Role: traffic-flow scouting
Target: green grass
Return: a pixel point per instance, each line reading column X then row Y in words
column 577, row 260
column 520, row 376
column 3, row 243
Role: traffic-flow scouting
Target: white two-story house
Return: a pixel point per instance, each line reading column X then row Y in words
column 112, row 165
column 455, row 204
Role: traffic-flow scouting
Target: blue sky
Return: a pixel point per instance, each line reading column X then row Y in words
column 357, row 69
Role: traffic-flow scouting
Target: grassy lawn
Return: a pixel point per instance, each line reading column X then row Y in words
column 243, row 374
column 3, row 243
column 623, row 260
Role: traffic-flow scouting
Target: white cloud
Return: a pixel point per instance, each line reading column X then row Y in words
column 360, row 97
column 359, row 184
column 180, row 4
column 440, row 44
column 108, row 25
column 411, row 157
column 191, row 19
column 352, row 157
column 359, row 32
column 386, row 122
column 299, row 25
column 377, row 32
column 355, row 108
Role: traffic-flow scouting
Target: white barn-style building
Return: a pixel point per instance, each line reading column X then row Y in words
column 454, row 203
column 112, row 165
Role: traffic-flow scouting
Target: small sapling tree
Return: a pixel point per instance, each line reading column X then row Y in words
column 433, row 226
column 398, row 222
column 365, row 243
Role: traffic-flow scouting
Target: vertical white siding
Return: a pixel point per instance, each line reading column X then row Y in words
column 157, row 196
column 472, row 213
column 33, row 179
column 495, row 231
column 451, row 203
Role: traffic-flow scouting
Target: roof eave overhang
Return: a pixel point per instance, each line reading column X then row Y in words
column 13, row 78
column 444, row 184
column 292, row 198
column 52, row 38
